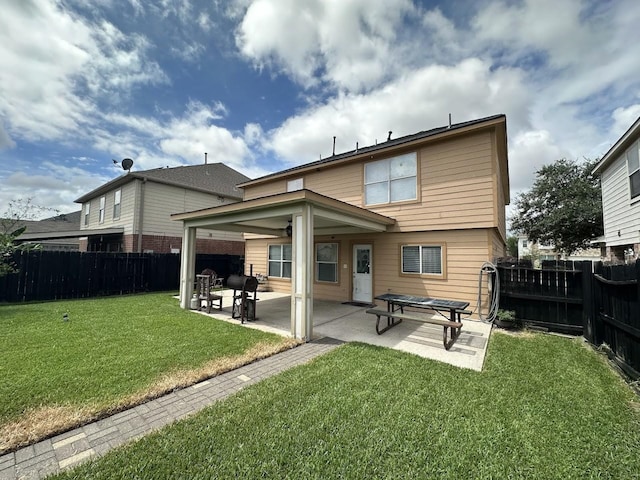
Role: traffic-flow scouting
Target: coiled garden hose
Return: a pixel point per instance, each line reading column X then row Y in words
column 493, row 287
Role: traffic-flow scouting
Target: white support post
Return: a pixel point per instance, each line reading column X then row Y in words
column 302, row 274
column 187, row 266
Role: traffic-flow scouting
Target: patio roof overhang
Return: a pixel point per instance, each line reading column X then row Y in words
column 308, row 213
column 270, row 215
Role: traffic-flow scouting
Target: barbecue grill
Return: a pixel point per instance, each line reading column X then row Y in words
column 244, row 296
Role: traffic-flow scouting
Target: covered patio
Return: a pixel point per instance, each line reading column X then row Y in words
column 350, row 323
column 300, row 214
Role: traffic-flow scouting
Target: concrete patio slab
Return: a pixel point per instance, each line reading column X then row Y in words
column 350, row 323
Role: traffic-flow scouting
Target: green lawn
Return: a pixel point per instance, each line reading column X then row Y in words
column 110, row 350
column 544, row 407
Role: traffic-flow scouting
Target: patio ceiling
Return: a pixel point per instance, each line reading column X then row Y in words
column 270, row 215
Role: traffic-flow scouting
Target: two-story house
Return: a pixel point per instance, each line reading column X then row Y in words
column 132, row 212
column 619, row 171
column 414, row 215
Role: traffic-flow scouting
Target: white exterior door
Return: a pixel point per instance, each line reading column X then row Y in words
column 362, row 269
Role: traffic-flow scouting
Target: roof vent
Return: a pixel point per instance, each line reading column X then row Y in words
column 389, row 137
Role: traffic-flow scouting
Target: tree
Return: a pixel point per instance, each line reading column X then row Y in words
column 512, row 246
column 563, row 208
column 12, row 225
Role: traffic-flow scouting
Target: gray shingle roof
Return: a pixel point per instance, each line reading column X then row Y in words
column 60, row 223
column 214, row 178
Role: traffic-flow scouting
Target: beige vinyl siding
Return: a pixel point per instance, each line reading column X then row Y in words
column 127, row 209
column 466, row 251
column 497, row 246
column 160, row 201
column 619, row 212
column 276, row 186
column 456, row 186
column 256, row 259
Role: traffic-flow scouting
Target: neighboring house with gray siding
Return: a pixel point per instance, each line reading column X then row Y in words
column 132, row 212
column 619, row 172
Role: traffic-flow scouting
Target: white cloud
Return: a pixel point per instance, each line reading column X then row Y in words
column 419, row 101
column 5, row 139
column 51, row 57
column 623, row 118
column 529, row 151
column 50, row 185
column 176, row 140
column 348, row 44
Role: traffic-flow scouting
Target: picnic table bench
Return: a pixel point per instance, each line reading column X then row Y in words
column 395, row 314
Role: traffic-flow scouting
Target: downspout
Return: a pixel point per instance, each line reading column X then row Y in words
column 140, row 214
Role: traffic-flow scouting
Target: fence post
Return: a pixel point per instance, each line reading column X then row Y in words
column 588, row 302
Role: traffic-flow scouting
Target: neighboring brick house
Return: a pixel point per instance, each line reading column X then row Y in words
column 132, row 212
column 417, row 215
column 619, row 172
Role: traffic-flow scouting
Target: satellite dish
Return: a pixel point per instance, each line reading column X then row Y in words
column 127, row 163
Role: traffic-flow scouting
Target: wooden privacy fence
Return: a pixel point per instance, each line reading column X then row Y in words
column 44, row 275
column 551, row 298
column 601, row 302
column 614, row 320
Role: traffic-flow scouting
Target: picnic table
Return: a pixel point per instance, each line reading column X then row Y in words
column 394, row 313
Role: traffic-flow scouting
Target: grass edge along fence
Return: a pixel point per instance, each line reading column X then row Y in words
column 601, row 302
column 45, row 275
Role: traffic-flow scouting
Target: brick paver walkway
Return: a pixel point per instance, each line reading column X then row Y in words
column 71, row 448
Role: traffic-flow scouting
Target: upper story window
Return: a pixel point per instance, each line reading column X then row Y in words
column 293, row 185
column 103, row 202
column 422, row 259
column 391, row 180
column 280, row 260
column 327, row 262
column 633, row 167
column 87, row 210
column 116, row 204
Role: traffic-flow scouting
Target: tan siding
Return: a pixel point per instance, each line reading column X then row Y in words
column 457, row 186
column 127, row 204
column 160, row 201
column 277, row 186
column 466, row 251
column 127, row 208
column 498, row 247
column 344, row 183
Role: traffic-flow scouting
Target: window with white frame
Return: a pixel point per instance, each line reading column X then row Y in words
column 422, row 259
column 87, row 210
column 391, row 180
column 116, row 204
column 280, row 260
column 103, row 202
column 293, row 185
column 633, row 168
column 327, row 262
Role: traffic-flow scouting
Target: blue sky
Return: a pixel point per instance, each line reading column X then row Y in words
column 263, row 85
